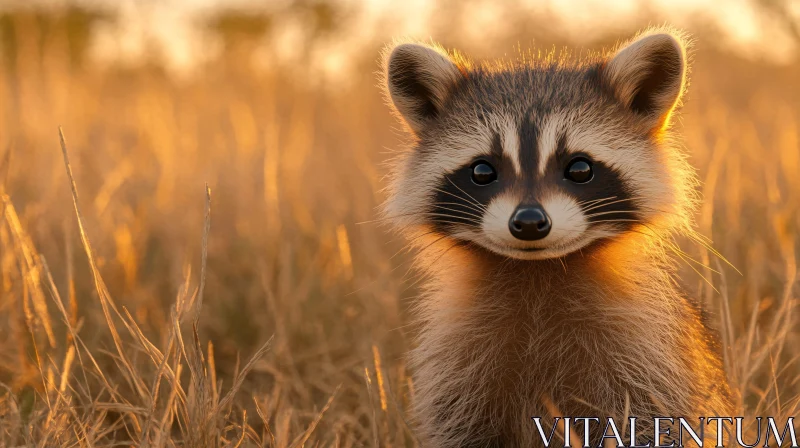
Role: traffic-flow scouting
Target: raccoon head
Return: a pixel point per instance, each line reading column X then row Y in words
column 538, row 159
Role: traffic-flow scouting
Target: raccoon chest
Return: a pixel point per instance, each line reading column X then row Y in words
column 495, row 368
column 548, row 355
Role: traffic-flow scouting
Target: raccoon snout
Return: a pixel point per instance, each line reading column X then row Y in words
column 529, row 223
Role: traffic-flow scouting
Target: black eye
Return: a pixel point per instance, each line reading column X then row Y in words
column 579, row 170
column 483, row 173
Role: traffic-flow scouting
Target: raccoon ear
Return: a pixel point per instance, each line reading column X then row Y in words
column 418, row 80
column 649, row 75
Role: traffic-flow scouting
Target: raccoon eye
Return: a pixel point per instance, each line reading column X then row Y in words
column 579, row 170
column 483, row 173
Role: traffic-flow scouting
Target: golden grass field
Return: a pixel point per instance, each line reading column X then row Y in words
column 301, row 336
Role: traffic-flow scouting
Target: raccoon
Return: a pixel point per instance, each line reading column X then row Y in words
column 543, row 196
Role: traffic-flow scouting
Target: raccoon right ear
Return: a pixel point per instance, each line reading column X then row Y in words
column 648, row 74
column 418, row 80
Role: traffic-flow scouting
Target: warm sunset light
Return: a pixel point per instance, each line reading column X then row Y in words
column 292, row 223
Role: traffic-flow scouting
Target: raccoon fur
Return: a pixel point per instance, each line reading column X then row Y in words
column 543, row 197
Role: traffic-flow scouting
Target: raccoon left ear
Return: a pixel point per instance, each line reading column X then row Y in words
column 419, row 79
column 649, row 74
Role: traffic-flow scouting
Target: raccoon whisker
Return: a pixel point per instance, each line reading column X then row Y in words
column 653, row 209
column 458, row 211
column 703, row 241
column 455, row 213
column 468, row 195
column 479, row 205
column 466, row 205
column 641, row 206
column 432, row 243
column 575, row 213
column 455, row 220
column 681, row 253
column 708, row 282
column 596, row 206
column 612, row 221
column 628, row 198
column 456, row 223
column 386, row 218
column 371, row 221
column 476, row 205
column 606, row 201
column 435, row 215
column 706, row 243
column 589, row 202
column 686, row 258
column 619, row 220
column 610, row 212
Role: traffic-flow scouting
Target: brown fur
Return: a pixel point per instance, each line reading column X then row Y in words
column 501, row 336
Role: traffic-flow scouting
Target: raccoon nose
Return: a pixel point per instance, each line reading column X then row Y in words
column 529, row 223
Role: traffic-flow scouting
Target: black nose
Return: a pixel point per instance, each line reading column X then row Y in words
column 529, row 223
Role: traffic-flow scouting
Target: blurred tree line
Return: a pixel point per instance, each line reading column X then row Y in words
column 34, row 29
column 28, row 32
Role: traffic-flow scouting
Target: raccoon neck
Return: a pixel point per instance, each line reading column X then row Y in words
column 602, row 328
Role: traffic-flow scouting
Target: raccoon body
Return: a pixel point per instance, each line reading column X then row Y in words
column 543, row 197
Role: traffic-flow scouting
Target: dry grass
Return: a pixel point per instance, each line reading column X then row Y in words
column 301, row 336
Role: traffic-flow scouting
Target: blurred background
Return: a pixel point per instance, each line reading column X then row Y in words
column 276, row 107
